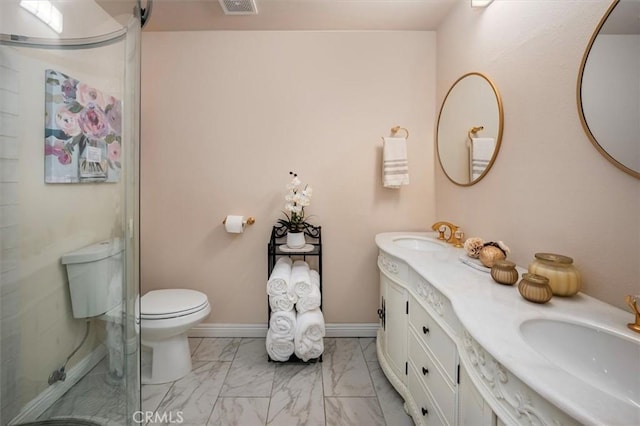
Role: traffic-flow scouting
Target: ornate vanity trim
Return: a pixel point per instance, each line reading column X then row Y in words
column 513, row 401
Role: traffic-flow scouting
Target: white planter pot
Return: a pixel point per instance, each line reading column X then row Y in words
column 295, row 240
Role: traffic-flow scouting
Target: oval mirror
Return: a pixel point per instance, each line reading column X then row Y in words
column 469, row 129
column 609, row 86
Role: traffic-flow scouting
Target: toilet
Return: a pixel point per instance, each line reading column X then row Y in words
column 94, row 276
column 165, row 318
column 95, row 283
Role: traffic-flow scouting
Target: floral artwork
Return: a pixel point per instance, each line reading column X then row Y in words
column 83, row 132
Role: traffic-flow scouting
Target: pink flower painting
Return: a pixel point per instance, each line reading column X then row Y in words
column 83, row 132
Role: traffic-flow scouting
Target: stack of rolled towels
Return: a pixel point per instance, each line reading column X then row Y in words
column 296, row 324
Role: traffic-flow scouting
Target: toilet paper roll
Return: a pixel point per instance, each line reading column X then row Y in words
column 234, row 224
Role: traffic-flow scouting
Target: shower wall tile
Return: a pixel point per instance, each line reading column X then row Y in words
column 9, row 237
column 8, row 260
column 9, row 101
column 9, row 170
column 8, row 125
column 8, row 193
column 8, row 147
column 8, row 75
column 8, row 215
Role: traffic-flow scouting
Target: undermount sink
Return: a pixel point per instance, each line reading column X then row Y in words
column 607, row 361
column 419, row 243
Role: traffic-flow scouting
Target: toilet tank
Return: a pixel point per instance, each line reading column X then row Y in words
column 95, row 276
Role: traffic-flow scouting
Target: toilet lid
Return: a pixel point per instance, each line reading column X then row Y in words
column 160, row 304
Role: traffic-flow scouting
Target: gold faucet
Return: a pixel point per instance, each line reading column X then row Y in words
column 441, row 227
column 632, row 301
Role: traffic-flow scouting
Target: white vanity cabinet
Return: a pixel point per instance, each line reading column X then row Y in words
column 393, row 302
column 416, row 348
column 476, row 365
column 472, row 408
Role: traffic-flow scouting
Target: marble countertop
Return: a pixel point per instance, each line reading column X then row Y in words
column 492, row 314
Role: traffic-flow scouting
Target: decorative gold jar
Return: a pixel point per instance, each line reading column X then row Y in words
column 504, row 272
column 535, row 288
column 564, row 277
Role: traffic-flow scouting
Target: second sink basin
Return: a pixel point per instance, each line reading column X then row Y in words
column 608, row 361
column 419, row 243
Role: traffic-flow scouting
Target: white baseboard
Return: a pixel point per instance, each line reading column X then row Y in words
column 38, row 405
column 260, row 330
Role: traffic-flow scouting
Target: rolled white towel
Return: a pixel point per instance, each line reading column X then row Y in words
column 310, row 301
column 309, row 335
column 300, row 278
column 282, row 302
column 279, row 280
column 283, row 324
column 278, row 348
column 308, row 350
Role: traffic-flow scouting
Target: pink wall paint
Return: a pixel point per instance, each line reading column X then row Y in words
column 226, row 116
column 549, row 190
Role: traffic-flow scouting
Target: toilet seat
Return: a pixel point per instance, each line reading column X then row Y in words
column 171, row 303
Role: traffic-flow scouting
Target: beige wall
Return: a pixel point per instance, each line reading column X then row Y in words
column 549, row 190
column 226, row 116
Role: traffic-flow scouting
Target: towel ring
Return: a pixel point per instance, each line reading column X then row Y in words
column 396, row 129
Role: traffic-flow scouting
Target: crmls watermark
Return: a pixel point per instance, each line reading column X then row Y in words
column 155, row 417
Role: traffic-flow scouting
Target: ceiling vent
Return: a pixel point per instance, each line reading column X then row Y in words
column 239, row 7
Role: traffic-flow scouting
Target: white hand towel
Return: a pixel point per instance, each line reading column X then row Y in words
column 482, row 149
column 282, row 302
column 395, row 164
column 314, row 298
column 301, row 281
column 481, row 153
column 283, row 324
column 309, row 334
column 278, row 282
column 279, row 349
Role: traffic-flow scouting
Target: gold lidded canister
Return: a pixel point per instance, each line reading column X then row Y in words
column 535, row 288
column 504, row 272
column 564, row 277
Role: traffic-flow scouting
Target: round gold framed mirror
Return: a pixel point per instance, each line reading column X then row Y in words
column 469, row 129
column 608, row 91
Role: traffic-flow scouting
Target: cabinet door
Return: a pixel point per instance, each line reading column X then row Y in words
column 472, row 409
column 396, row 327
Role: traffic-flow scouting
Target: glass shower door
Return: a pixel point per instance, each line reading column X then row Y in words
column 69, row 146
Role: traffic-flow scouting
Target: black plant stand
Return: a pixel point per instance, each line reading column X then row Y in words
column 313, row 236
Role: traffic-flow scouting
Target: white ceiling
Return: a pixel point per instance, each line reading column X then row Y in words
column 193, row 15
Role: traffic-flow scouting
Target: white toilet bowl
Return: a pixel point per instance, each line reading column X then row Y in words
column 165, row 318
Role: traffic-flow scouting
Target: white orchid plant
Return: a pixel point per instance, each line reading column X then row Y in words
column 298, row 197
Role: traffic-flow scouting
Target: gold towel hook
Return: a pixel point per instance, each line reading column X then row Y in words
column 396, row 129
column 473, row 131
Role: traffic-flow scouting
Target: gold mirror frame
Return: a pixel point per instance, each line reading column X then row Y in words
column 583, row 119
column 472, row 130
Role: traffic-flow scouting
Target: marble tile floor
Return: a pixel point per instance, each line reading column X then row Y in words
column 233, row 384
column 96, row 398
